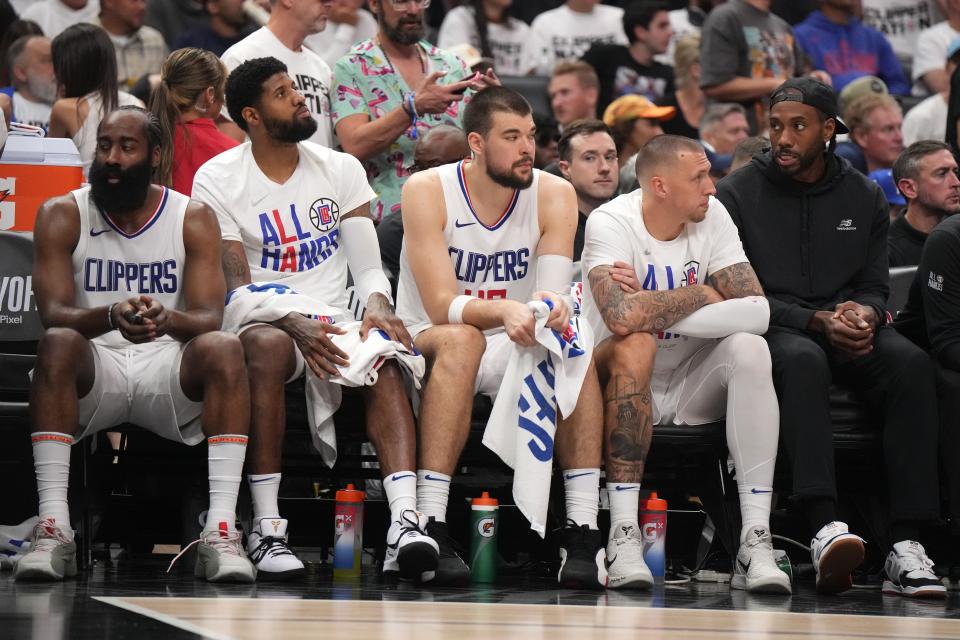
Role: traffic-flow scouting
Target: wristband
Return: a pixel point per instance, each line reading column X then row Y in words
column 455, row 310
column 412, row 112
column 110, row 316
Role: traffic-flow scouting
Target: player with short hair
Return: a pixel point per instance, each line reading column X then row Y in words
column 130, row 290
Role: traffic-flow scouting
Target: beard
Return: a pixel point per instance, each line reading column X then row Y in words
column 804, row 161
column 398, row 35
column 128, row 194
column 292, row 131
column 44, row 89
column 509, row 179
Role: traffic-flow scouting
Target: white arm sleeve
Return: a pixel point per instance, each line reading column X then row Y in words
column 554, row 273
column 739, row 315
column 363, row 256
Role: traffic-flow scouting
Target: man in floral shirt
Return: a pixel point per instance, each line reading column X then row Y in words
column 389, row 90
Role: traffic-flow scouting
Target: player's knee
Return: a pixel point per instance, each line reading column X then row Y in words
column 805, row 358
column 222, row 352
column 633, row 353
column 58, row 348
column 750, row 353
column 462, row 345
column 262, row 348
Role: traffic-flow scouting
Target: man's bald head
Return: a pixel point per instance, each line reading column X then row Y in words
column 662, row 153
column 442, row 144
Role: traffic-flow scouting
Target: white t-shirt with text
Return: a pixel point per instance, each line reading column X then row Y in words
column 569, row 34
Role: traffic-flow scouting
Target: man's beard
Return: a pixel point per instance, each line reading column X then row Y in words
column 804, row 162
column 43, row 89
column 396, row 34
column 128, row 194
column 293, row 131
column 508, row 179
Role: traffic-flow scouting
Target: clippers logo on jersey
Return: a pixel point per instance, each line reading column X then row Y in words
column 538, row 410
column 689, row 277
column 289, row 247
column 503, row 266
column 131, row 277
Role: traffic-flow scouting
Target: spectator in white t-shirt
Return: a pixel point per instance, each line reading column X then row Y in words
column 571, row 29
column 902, row 21
column 33, row 87
column 54, row 16
column 348, row 24
column 931, row 51
column 515, row 47
column 282, row 38
column 928, row 120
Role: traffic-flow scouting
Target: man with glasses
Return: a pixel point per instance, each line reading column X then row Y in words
column 391, row 89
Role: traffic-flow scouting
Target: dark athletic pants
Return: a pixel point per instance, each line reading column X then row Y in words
column 897, row 380
column 948, row 398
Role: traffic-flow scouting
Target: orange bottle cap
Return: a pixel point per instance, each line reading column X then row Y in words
column 484, row 501
column 350, row 494
column 656, row 504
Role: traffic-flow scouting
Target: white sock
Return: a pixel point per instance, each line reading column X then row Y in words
column 624, row 504
column 433, row 492
column 401, row 489
column 51, row 459
column 754, row 508
column 264, row 489
column 582, row 492
column 225, row 455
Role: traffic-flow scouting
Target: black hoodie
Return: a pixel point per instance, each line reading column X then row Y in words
column 813, row 246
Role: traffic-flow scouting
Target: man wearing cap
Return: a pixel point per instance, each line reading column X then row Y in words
column 865, row 86
column 928, row 120
column 815, row 231
column 926, row 175
column 633, row 121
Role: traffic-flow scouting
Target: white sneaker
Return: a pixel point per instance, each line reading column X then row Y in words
column 755, row 569
column 52, row 555
column 410, row 551
column 270, row 553
column 836, row 553
column 909, row 572
column 625, row 565
column 220, row 557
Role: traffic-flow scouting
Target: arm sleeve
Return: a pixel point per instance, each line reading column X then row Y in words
column 939, row 280
column 872, row 285
column 206, row 189
column 363, row 257
column 740, row 315
column 719, row 51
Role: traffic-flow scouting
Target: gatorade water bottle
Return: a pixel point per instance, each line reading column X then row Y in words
column 483, row 538
column 348, row 533
column 653, row 530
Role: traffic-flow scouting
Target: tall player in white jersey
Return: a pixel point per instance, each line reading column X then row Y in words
column 296, row 213
column 482, row 238
column 678, row 311
column 130, row 290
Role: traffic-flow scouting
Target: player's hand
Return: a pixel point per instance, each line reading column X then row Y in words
column 559, row 318
column 432, row 97
column 851, row 341
column 519, row 322
column 856, row 315
column 313, row 339
column 153, row 312
column 127, row 316
column 380, row 315
column 625, row 275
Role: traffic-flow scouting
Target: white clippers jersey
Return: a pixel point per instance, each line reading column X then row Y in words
column 111, row 266
column 492, row 263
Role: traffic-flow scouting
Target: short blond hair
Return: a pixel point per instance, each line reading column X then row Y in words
column 858, row 113
column 685, row 55
column 586, row 75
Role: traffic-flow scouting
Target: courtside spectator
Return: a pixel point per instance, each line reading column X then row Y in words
column 573, row 90
column 688, row 99
column 859, row 88
column 928, row 120
column 901, row 21
column 189, row 97
column 931, row 50
column 85, row 65
column 54, row 16
column 875, row 123
column 173, row 17
column 827, row 324
column 16, row 30
column 516, row 49
column 926, row 175
column 33, row 88
column 347, row 24
column 140, row 49
column 633, row 121
column 588, row 159
column 282, row 38
column 571, row 29
column 746, row 149
column 631, row 69
column 227, row 26
column 835, row 40
column 391, row 89
column 722, row 127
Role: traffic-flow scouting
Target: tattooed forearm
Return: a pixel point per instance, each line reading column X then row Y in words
column 736, row 281
column 235, row 267
column 628, row 427
column 647, row 311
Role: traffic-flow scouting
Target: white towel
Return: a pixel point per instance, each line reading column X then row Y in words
column 538, row 382
column 266, row 302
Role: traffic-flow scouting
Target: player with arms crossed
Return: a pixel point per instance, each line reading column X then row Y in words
column 685, row 346
column 130, row 290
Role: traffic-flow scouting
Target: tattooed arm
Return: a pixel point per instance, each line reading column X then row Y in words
column 235, row 267
column 736, row 281
column 644, row 311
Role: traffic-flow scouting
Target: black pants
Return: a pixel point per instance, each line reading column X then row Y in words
column 897, row 379
column 948, row 399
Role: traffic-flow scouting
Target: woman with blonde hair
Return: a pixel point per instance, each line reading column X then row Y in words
column 688, row 100
column 189, row 97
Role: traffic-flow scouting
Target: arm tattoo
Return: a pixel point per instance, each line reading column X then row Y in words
column 235, row 270
column 647, row 311
column 629, row 428
column 736, row 281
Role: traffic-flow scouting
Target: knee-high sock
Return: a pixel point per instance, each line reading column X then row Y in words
column 51, row 459
column 225, row 455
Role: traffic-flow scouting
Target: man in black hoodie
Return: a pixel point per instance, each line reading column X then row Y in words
column 815, row 231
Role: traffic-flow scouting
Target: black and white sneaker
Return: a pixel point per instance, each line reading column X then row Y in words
column 410, row 551
column 451, row 571
column 270, row 552
column 909, row 572
column 583, row 562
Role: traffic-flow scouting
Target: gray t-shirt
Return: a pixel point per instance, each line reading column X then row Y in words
column 740, row 40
